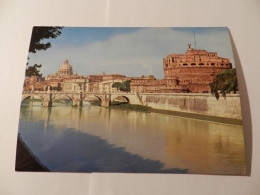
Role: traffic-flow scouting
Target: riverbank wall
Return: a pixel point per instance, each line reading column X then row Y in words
column 205, row 104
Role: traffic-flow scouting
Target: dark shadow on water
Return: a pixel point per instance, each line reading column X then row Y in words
column 74, row 151
column 25, row 160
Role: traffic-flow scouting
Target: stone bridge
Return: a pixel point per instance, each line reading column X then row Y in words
column 77, row 98
column 204, row 104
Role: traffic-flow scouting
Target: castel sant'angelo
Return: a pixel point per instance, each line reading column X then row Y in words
column 183, row 73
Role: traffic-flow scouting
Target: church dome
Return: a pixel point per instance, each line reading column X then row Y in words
column 65, row 69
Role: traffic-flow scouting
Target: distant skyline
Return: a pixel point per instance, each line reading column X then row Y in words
column 128, row 51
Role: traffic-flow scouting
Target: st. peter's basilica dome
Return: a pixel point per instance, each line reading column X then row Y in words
column 65, row 69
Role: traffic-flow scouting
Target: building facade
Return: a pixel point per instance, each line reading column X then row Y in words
column 183, row 73
column 195, row 69
column 190, row 72
column 67, row 81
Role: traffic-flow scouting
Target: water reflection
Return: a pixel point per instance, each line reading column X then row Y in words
column 93, row 138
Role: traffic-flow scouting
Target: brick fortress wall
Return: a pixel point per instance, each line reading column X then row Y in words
column 195, row 69
column 189, row 72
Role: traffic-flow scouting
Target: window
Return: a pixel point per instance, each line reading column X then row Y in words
column 185, row 64
column 212, row 64
column 201, row 64
column 193, row 64
column 222, row 64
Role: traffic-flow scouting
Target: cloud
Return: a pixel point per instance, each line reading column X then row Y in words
column 133, row 54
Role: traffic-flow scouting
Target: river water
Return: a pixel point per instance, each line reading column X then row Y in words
column 97, row 139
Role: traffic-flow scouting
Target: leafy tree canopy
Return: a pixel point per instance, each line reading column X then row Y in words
column 41, row 33
column 124, row 86
column 38, row 35
column 225, row 83
column 116, row 85
column 33, row 70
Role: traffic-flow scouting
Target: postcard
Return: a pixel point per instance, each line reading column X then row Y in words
column 131, row 100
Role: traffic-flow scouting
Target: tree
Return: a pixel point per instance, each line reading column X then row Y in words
column 41, row 33
column 225, row 83
column 117, row 85
column 125, row 86
column 33, row 71
column 38, row 35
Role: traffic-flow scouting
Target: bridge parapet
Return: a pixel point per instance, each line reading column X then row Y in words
column 77, row 97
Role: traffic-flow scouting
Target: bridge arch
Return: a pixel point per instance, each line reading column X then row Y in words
column 27, row 96
column 92, row 97
column 121, row 98
column 58, row 97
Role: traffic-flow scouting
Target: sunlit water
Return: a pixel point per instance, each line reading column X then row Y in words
column 96, row 139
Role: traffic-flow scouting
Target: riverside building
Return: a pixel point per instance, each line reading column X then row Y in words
column 183, row 73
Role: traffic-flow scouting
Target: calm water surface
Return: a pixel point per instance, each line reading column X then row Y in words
column 96, row 139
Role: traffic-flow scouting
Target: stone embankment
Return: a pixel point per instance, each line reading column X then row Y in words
column 205, row 104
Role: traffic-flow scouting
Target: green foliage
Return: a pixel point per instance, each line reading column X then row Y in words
column 38, row 35
column 130, row 107
column 41, row 33
column 33, row 71
column 117, row 85
column 225, row 83
column 125, row 86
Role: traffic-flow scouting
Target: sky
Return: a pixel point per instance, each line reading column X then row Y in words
column 127, row 51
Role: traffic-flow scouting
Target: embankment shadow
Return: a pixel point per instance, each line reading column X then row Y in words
column 25, row 160
column 245, row 107
column 82, row 152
